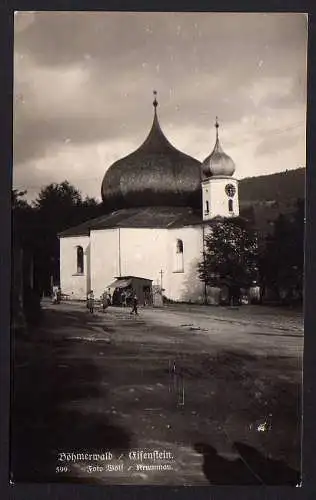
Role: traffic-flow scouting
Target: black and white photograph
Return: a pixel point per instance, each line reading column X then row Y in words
column 158, row 221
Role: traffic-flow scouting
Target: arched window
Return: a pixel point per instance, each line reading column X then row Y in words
column 80, row 259
column 178, row 266
column 179, row 246
column 230, row 206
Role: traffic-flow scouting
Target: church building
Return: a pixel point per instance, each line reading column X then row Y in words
column 158, row 203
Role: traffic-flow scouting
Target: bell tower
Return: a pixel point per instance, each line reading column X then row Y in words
column 219, row 187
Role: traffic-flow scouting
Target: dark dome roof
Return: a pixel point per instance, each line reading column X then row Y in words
column 156, row 174
column 218, row 163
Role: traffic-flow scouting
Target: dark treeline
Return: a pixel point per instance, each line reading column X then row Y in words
column 37, row 224
column 281, row 188
column 281, row 256
column 238, row 256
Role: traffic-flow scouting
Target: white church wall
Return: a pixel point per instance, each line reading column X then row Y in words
column 104, row 259
column 147, row 252
column 73, row 283
column 185, row 286
column 139, row 252
column 126, row 252
column 144, row 253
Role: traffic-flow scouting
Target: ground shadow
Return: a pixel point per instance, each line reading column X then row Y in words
column 252, row 468
column 51, row 412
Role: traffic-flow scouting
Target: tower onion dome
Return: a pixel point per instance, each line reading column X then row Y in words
column 218, row 163
column 156, row 174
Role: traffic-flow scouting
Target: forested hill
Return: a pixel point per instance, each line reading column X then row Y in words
column 280, row 187
column 262, row 199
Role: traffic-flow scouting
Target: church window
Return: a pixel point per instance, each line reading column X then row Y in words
column 230, row 206
column 80, row 258
column 207, row 209
column 178, row 267
column 179, row 246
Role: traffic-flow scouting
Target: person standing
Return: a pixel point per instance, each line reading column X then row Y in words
column 109, row 297
column 124, row 298
column 135, row 304
column 105, row 301
column 90, row 301
column 54, row 294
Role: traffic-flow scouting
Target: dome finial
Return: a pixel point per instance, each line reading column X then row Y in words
column 216, row 126
column 155, row 103
column 218, row 163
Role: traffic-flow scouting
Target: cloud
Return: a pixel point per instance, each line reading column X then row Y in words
column 71, row 161
column 79, row 82
column 276, row 144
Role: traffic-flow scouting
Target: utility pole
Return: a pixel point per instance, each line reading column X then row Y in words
column 204, row 264
column 119, row 252
column 161, row 273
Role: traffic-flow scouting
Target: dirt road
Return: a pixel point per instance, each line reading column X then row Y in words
column 212, row 394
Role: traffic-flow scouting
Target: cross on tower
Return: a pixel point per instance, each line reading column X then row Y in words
column 155, row 103
column 216, row 126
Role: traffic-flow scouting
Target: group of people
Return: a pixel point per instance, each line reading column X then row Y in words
column 129, row 297
column 106, row 301
column 126, row 297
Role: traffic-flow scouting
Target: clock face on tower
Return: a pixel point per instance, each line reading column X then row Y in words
column 230, row 190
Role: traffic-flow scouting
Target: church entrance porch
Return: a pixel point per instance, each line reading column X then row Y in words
column 185, row 385
column 125, row 287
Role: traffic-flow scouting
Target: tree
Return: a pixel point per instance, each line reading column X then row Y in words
column 17, row 199
column 61, row 206
column 57, row 207
column 63, row 193
column 36, row 227
column 25, row 299
column 282, row 259
column 22, row 219
column 230, row 256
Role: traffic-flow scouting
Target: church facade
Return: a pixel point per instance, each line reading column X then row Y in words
column 158, row 204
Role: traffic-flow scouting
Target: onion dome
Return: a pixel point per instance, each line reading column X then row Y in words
column 218, row 163
column 156, row 174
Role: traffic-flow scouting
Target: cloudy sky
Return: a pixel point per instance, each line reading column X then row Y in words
column 83, row 87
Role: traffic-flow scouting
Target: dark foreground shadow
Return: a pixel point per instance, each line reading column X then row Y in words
column 252, row 468
column 59, row 403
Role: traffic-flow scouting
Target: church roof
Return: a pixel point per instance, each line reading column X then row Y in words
column 125, row 281
column 218, row 163
column 156, row 174
column 144, row 217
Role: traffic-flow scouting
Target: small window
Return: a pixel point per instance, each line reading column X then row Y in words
column 80, row 267
column 230, row 206
column 207, row 207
